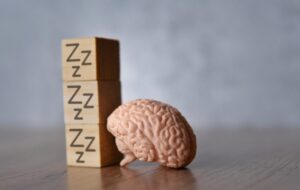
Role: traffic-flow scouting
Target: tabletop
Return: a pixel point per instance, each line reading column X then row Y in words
column 227, row 158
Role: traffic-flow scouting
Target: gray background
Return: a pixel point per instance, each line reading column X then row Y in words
column 222, row 63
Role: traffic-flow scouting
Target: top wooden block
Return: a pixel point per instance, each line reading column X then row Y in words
column 93, row 58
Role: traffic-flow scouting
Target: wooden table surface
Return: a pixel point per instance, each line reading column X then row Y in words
column 227, row 158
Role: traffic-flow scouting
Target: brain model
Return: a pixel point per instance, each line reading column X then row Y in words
column 152, row 131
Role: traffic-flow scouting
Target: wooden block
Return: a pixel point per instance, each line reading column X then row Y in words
column 90, row 102
column 90, row 145
column 90, row 59
column 81, row 102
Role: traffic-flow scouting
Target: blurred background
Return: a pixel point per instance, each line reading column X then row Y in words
column 221, row 63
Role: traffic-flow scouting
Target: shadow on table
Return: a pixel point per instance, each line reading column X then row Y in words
column 159, row 178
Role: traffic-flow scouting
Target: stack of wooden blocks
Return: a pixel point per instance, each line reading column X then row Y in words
column 92, row 90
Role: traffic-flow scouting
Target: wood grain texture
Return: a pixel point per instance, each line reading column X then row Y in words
column 90, row 59
column 90, row 102
column 250, row 158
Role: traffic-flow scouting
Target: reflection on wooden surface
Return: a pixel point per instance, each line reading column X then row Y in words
column 34, row 158
column 115, row 177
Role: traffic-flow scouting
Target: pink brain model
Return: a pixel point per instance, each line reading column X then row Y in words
column 152, row 131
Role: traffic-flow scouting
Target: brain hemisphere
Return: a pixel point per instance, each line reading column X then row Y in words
column 149, row 130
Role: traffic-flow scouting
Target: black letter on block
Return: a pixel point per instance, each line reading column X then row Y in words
column 88, row 149
column 90, row 95
column 76, row 69
column 77, row 87
column 88, row 53
column 79, row 131
column 70, row 59
column 77, row 115
column 80, row 154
